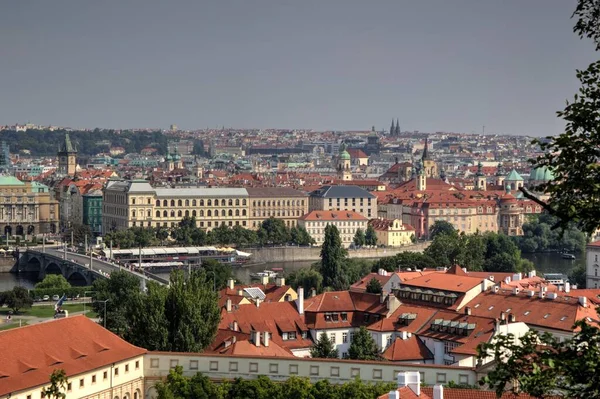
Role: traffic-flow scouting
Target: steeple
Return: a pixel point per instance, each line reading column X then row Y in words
column 397, row 127
column 479, row 169
column 67, row 158
column 392, row 128
column 425, row 152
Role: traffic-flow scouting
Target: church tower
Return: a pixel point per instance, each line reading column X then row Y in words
column 67, row 158
column 480, row 180
column 421, row 179
column 429, row 165
column 343, row 167
column 392, row 129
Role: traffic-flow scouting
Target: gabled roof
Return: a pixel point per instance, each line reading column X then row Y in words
column 514, row 176
column 445, row 282
column 332, row 216
column 341, row 192
column 76, row 344
column 402, row 350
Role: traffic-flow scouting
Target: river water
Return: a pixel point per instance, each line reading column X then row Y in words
column 544, row 263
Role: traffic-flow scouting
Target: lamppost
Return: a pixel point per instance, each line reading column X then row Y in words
column 104, row 310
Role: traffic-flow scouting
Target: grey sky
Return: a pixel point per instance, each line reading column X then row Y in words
column 451, row 65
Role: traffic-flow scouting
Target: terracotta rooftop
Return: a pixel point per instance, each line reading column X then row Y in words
column 75, row 344
column 402, row 350
column 332, row 216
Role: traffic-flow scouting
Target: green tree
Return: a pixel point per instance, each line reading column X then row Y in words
column 370, row 236
column 147, row 320
column 297, row 388
column 363, row 346
column 56, row 281
column 80, row 231
column 359, row 238
column 273, row 232
column 259, row 388
column 333, row 256
column 162, row 234
column 176, row 386
column 355, row 269
column 324, row 348
column 578, row 276
column 117, row 293
column 192, row 312
column 58, row 385
column 218, row 271
column 307, row 278
column 543, row 365
column 446, row 249
column 441, row 227
column 473, row 256
column 18, row 298
column 300, row 236
column 374, row 286
column 403, row 261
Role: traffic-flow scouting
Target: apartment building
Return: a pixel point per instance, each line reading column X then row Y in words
column 344, row 198
column 282, row 203
column 26, row 208
column 593, row 265
column 347, row 222
column 392, row 233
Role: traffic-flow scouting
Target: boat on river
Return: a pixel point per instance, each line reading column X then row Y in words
column 568, row 256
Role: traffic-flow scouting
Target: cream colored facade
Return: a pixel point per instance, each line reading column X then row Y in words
column 316, row 221
column 136, row 203
column 122, row 380
column 344, row 198
column 26, row 208
column 282, row 203
column 393, row 233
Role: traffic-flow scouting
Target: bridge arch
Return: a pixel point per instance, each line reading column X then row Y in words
column 77, row 279
column 33, row 264
column 53, row 268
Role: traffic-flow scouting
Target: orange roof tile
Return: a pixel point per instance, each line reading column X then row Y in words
column 411, row 348
column 445, row 281
column 332, row 215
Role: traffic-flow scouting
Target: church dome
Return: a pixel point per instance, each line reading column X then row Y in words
column 541, row 174
column 168, row 158
column 344, row 155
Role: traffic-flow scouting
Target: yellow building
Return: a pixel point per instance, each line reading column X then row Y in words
column 26, row 208
column 282, row 203
column 347, row 222
column 392, row 233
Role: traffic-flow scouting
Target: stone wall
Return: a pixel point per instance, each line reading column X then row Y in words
column 293, row 254
column 7, row 263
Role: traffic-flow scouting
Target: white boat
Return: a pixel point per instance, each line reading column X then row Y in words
column 264, row 273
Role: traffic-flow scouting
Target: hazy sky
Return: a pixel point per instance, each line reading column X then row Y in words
column 451, row 65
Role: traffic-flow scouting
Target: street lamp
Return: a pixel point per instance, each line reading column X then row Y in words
column 104, row 310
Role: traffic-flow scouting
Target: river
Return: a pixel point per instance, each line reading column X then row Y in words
column 544, row 263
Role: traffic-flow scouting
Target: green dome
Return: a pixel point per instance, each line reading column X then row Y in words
column 541, row 174
column 345, row 155
column 176, row 157
column 168, row 158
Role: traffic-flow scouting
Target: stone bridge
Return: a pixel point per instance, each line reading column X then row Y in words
column 45, row 263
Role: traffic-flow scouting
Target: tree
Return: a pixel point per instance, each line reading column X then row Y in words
column 176, row 386
column 403, row 261
column 446, row 249
column 218, row 271
column 573, row 155
column 441, row 227
column 307, row 278
column 333, row 256
column 18, row 298
column 192, row 312
column 259, row 388
column 324, row 348
column 117, row 293
column 56, row 281
column 359, row 238
column 578, row 276
column 147, row 320
column 473, row 257
column 273, row 231
column 58, row 384
column 300, row 236
column 80, row 231
column 370, row 236
column 363, row 346
column 543, row 365
column 374, row 286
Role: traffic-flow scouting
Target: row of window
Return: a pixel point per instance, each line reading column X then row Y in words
column 201, row 224
column 187, row 213
column 201, row 202
column 338, row 201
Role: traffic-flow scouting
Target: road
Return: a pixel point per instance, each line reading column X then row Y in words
column 98, row 265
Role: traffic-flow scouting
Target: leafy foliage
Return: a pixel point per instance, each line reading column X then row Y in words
column 578, row 277
column 333, row 256
column 540, row 237
column 308, row 278
column 18, row 298
column 363, row 346
column 403, row 261
column 359, row 238
column 53, row 281
column 370, row 236
column 441, row 227
column 324, row 348
column 374, row 286
column 543, row 365
column 58, row 384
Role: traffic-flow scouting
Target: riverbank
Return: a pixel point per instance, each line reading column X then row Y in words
column 6, row 264
column 305, row 254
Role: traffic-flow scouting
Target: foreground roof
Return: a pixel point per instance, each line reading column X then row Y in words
column 75, row 344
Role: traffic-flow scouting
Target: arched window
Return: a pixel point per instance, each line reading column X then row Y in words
column 201, row 202
column 179, row 213
column 230, row 202
column 172, row 202
column 187, row 213
column 179, row 203
column 148, row 213
column 278, row 203
column 243, row 212
column 264, row 203
column 187, row 202
column 268, row 203
column 230, row 213
column 237, row 202
column 202, row 213
column 157, row 202
column 244, row 202
column 288, row 203
column 223, row 202
column 157, row 214
column 208, row 213
column 223, row 211
column 193, row 213
column 208, row 202
column 132, row 214
column 237, row 212
column 165, row 214
column 165, row 203
column 193, row 202
column 172, row 214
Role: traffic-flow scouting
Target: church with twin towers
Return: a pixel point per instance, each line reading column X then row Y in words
column 395, row 129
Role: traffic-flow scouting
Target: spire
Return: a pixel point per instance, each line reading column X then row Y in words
column 392, row 128
column 67, row 146
column 425, row 152
column 479, row 169
column 397, row 127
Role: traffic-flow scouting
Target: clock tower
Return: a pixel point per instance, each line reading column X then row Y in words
column 67, row 158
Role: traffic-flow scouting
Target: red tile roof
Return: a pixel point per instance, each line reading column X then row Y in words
column 332, row 215
column 594, row 244
column 411, row 348
column 75, row 344
column 361, row 285
column 445, row 282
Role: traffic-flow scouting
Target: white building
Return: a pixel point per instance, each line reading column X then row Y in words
column 347, row 222
column 592, row 265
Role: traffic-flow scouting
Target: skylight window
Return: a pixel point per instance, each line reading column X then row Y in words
column 476, row 306
column 526, row 313
column 491, row 307
column 563, row 318
column 546, row 315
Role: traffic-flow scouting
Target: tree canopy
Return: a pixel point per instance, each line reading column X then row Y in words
column 374, row 286
column 56, row 281
column 324, row 348
column 441, row 227
column 333, row 256
column 363, row 346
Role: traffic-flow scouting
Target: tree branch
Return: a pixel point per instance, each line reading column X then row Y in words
column 546, row 207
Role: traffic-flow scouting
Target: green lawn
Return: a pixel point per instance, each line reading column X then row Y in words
column 13, row 324
column 45, row 311
column 91, row 314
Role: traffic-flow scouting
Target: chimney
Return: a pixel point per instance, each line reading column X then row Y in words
column 233, row 340
column 583, row 301
column 300, row 300
column 468, row 310
column 265, row 280
column 544, row 288
column 394, row 394
column 382, row 272
column 258, row 302
column 235, row 326
column 496, row 289
column 542, row 293
column 516, row 291
column 552, row 295
column 567, row 287
column 266, row 338
column 507, row 280
column 502, row 316
column 230, row 283
column 228, row 305
column 531, row 274
column 240, row 293
column 438, row 391
column 313, row 292
column 483, row 285
column 280, row 281
column 403, row 335
column 411, row 379
column 257, row 338
column 531, row 293
column 465, row 269
column 512, row 318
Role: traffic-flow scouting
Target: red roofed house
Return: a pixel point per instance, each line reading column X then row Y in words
column 97, row 362
column 392, row 233
column 358, row 156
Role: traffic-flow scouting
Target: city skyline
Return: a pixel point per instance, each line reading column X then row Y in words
column 434, row 65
